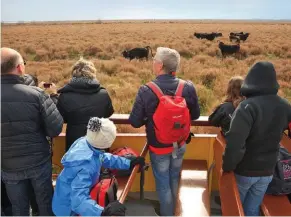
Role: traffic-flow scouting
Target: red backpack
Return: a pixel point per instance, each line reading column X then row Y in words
column 105, row 191
column 172, row 117
column 127, row 153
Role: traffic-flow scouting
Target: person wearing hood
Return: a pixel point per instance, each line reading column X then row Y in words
column 82, row 164
column 83, row 97
column 256, row 128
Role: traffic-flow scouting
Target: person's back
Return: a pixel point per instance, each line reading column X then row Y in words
column 255, row 133
column 27, row 117
column 222, row 114
column 24, row 124
column 168, row 85
column 82, row 98
column 150, row 109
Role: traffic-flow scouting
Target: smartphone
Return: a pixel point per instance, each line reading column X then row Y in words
column 47, row 85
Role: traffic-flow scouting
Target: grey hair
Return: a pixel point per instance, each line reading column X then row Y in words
column 84, row 68
column 170, row 59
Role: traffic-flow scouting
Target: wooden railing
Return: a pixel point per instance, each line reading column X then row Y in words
column 229, row 195
column 132, row 177
column 124, row 119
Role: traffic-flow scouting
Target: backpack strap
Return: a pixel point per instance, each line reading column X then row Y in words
column 156, row 89
column 180, row 88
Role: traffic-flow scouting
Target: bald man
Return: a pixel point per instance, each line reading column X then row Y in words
column 28, row 115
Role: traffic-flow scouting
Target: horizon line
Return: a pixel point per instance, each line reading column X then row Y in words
column 120, row 20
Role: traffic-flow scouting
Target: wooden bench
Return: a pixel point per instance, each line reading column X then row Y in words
column 193, row 194
column 230, row 201
column 278, row 205
column 228, row 191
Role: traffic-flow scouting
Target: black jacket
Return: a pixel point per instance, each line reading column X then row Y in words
column 257, row 125
column 221, row 117
column 146, row 103
column 80, row 100
column 28, row 115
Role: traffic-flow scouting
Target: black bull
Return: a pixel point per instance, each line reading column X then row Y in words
column 137, row 53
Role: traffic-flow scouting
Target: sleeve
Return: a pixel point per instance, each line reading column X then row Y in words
column 216, row 117
column 115, row 162
column 54, row 98
column 81, row 202
column 192, row 101
column 236, row 137
column 61, row 108
column 52, row 119
column 137, row 116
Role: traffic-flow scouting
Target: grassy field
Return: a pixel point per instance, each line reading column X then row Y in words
column 52, row 49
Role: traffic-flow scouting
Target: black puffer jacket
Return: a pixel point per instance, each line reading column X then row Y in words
column 80, row 100
column 221, row 117
column 28, row 115
column 257, row 125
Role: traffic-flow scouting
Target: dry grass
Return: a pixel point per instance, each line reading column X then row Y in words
column 52, row 49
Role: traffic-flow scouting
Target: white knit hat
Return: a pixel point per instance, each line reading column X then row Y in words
column 101, row 132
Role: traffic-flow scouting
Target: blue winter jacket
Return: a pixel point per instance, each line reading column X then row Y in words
column 82, row 164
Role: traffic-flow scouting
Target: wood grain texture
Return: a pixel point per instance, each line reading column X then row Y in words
column 193, row 196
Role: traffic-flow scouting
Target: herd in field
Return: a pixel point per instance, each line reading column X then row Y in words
column 225, row 49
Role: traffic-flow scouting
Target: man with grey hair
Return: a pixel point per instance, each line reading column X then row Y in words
column 166, row 158
column 28, row 115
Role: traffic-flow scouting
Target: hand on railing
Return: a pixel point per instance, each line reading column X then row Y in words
column 132, row 176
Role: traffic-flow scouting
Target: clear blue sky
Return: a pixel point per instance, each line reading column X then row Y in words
column 46, row 10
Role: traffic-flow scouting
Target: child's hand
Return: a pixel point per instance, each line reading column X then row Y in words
column 114, row 208
column 137, row 161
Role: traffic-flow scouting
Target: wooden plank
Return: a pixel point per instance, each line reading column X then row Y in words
column 193, row 196
column 270, row 203
column 229, row 195
column 131, row 178
column 286, row 142
column 123, row 119
column 276, row 206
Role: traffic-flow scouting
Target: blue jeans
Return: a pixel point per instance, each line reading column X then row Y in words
column 166, row 171
column 18, row 186
column 252, row 191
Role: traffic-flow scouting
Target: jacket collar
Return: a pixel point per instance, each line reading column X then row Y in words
column 11, row 79
column 165, row 77
column 81, row 85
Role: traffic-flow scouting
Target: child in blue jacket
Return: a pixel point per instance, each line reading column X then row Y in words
column 82, row 164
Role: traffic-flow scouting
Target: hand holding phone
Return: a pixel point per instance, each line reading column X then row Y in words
column 47, row 85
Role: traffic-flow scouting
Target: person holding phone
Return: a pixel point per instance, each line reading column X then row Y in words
column 82, row 98
column 28, row 116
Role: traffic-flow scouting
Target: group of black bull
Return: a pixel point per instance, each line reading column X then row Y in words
column 139, row 53
column 225, row 48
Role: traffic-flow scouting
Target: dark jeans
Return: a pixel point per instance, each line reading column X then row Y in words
column 19, row 190
column 6, row 207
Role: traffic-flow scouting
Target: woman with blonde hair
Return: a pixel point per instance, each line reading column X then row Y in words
column 82, row 98
column 221, row 117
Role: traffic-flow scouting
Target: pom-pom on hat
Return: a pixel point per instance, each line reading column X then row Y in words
column 101, row 132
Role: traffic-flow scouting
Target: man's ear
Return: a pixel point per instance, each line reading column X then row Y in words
column 20, row 70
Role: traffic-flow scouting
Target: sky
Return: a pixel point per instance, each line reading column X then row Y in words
column 61, row 10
